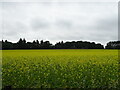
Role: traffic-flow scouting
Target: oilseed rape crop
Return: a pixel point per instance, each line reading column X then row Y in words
column 60, row 68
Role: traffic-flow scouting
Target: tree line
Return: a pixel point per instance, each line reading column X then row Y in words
column 113, row 45
column 36, row 44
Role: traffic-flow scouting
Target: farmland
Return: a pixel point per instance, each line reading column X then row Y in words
column 65, row 68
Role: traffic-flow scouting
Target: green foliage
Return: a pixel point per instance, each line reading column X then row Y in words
column 60, row 68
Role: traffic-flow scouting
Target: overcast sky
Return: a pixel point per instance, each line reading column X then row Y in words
column 59, row 20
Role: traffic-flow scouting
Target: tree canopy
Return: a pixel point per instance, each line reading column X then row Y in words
column 36, row 44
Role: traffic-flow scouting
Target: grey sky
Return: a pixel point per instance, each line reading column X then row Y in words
column 56, row 21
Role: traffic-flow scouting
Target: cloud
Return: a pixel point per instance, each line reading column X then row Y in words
column 65, row 24
column 60, row 21
column 39, row 24
column 108, row 24
column 106, row 28
column 59, row 0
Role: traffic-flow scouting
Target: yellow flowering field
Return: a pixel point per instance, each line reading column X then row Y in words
column 65, row 68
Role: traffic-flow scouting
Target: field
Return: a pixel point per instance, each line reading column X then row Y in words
column 60, row 68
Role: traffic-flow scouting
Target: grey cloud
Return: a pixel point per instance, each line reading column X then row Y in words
column 66, row 24
column 39, row 24
column 67, row 37
column 42, row 21
column 15, row 26
column 14, row 29
column 106, row 29
column 107, row 24
column 59, row 1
